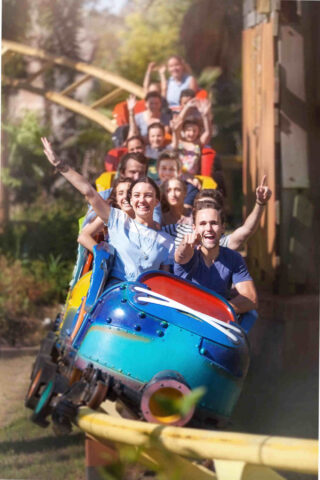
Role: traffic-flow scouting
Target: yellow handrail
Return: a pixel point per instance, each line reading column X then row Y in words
column 299, row 455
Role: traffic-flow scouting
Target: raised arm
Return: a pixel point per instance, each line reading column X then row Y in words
column 185, row 250
column 99, row 205
column 133, row 128
column 86, row 235
column 204, row 107
column 193, row 84
column 176, row 133
column 163, row 80
column 246, row 298
column 251, row 224
column 147, row 77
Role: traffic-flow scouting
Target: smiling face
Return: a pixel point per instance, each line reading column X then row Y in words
column 175, row 192
column 191, row 132
column 208, row 225
column 156, row 137
column 134, row 170
column 143, row 200
column 175, row 68
column 167, row 169
column 154, row 105
column 122, row 197
column 135, row 146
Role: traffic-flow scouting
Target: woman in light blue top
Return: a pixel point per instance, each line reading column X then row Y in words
column 139, row 243
column 180, row 79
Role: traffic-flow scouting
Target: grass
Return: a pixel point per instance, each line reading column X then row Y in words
column 30, row 452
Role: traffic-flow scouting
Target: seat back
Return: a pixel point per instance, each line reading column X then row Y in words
column 188, row 294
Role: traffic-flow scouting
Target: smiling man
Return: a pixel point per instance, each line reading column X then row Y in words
column 200, row 259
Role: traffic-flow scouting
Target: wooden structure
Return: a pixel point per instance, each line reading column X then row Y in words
column 64, row 98
column 281, row 137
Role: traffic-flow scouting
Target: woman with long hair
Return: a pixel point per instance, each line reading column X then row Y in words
column 139, row 243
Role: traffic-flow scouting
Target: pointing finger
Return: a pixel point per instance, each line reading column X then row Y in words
column 264, row 181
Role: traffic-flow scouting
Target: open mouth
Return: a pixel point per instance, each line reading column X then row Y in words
column 209, row 237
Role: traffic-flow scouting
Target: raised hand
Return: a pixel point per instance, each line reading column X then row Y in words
column 162, row 69
column 191, row 240
column 204, row 106
column 131, row 102
column 263, row 192
column 49, row 153
column 152, row 66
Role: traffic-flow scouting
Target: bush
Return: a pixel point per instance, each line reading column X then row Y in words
column 25, row 286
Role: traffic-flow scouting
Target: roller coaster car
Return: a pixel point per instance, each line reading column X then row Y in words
column 134, row 341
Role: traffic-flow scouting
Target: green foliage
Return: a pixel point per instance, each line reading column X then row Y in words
column 151, row 33
column 179, row 406
column 25, row 286
column 26, row 172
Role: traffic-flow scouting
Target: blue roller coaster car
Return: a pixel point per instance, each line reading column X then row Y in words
column 137, row 343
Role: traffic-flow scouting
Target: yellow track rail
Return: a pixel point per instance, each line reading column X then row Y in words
column 239, row 449
column 87, row 71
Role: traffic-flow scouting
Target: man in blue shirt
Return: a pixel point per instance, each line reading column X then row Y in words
column 200, row 259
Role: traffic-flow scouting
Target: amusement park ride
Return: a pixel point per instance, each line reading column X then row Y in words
column 138, row 342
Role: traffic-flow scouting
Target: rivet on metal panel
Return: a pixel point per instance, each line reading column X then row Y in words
column 142, row 315
column 109, row 320
column 137, row 328
column 203, row 351
column 164, row 324
column 160, row 333
column 123, row 300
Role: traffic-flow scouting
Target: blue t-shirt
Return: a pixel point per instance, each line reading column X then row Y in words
column 138, row 247
column 228, row 268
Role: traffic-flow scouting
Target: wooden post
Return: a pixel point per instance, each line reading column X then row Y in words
column 98, row 456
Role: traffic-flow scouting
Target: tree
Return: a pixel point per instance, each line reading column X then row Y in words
column 151, row 33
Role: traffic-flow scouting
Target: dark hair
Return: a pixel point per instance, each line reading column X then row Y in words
column 187, row 92
column 153, row 95
column 169, row 155
column 165, row 206
column 135, row 137
column 156, row 125
column 209, row 204
column 191, row 121
column 213, row 194
column 112, row 200
column 137, row 156
column 145, row 180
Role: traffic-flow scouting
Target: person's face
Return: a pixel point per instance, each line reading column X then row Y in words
column 154, row 104
column 156, row 137
column 175, row 68
column 208, row 225
column 143, row 200
column 174, row 192
column 184, row 101
column 191, row 132
column 135, row 146
column 134, row 170
column 122, row 197
column 167, row 169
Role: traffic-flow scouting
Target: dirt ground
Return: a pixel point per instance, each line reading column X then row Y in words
column 14, row 381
